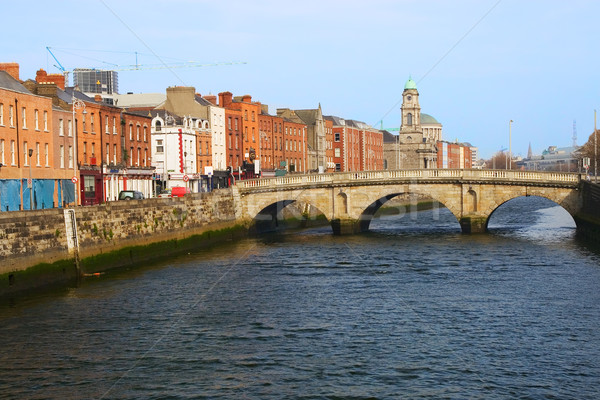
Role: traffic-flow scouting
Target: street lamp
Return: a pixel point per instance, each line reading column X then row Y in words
column 77, row 104
column 509, row 144
column 30, row 183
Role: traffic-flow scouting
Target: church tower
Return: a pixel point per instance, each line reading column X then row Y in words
column 414, row 150
column 410, row 128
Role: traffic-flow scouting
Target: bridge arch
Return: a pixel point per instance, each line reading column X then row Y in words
column 269, row 214
column 374, row 200
column 564, row 205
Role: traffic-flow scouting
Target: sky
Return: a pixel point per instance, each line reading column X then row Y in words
column 478, row 64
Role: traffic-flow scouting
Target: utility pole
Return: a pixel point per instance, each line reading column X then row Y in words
column 595, row 150
column 509, row 144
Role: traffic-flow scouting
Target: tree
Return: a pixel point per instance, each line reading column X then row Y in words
column 500, row 161
column 587, row 150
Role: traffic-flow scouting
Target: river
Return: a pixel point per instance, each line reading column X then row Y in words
column 413, row 309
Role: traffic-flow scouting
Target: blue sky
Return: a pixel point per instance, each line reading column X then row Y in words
column 477, row 63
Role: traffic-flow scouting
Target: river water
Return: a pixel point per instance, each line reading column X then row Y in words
column 413, row 309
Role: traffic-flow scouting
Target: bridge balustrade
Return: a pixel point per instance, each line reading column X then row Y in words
column 464, row 174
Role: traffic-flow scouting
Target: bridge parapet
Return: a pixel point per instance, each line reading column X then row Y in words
column 499, row 176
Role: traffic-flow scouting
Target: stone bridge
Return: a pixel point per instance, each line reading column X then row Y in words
column 349, row 200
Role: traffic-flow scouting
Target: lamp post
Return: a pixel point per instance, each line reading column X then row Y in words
column 30, row 182
column 509, row 144
column 77, row 104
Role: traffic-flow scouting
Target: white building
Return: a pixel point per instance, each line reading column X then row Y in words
column 174, row 149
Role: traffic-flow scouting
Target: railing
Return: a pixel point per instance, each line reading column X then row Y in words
column 416, row 174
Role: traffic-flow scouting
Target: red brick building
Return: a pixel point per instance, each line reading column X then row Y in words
column 271, row 141
column 356, row 146
column 294, row 142
column 453, row 155
column 27, row 135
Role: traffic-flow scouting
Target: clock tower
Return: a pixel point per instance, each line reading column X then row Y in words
column 410, row 128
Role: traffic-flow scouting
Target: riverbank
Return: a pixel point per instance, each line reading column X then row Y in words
column 131, row 234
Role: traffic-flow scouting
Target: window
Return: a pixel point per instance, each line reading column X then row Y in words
column 61, row 154
column 11, row 116
column 145, row 134
column 46, row 160
column 83, row 119
column 409, row 118
column 236, row 124
column 12, row 152
column 131, row 156
column 245, row 115
column 46, row 121
column 229, row 123
column 36, row 115
column 25, row 156
column 159, row 146
column 207, row 148
column 200, row 147
column 2, row 151
column 24, row 115
column 114, row 154
column 130, row 131
column 70, row 156
column 246, row 132
column 70, row 128
column 253, row 137
column 89, row 187
column 108, row 153
column 139, row 151
column 85, row 152
column 145, row 156
column 115, row 125
column 92, row 122
column 1, row 114
column 137, row 133
column 61, row 127
column 338, row 167
column 94, row 151
column 253, row 116
column 337, row 136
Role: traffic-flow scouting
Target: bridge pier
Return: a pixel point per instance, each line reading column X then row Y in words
column 473, row 224
column 345, row 226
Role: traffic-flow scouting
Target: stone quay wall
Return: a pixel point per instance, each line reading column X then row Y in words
column 37, row 247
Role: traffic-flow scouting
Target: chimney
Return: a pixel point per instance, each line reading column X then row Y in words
column 264, row 108
column 211, row 98
column 247, row 98
column 11, row 68
column 98, row 98
column 42, row 76
column 225, row 99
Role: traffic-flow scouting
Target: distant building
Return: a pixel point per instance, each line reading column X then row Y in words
column 95, row 81
column 553, row 159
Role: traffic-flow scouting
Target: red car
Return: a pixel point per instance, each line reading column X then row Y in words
column 180, row 191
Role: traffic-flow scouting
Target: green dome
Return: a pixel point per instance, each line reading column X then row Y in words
column 428, row 119
column 410, row 84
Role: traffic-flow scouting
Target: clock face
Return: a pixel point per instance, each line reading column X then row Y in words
column 409, row 98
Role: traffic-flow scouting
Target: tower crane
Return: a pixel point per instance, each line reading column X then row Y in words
column 137, row 67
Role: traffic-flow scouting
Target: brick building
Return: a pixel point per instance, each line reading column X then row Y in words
column 27, row 143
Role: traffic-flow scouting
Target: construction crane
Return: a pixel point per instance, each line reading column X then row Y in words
column 137, row 67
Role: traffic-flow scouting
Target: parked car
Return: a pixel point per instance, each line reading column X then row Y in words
column 180, row 191
column 165, row 193
column 130, row 195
